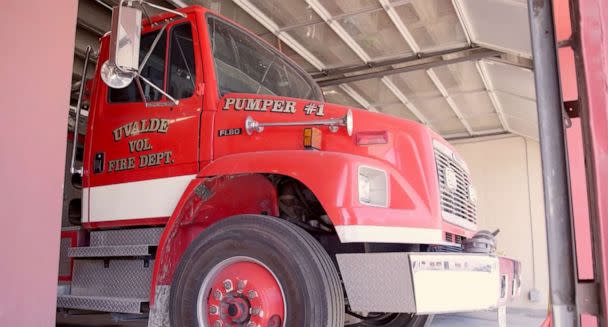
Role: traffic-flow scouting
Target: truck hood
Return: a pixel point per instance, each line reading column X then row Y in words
column 405, row 145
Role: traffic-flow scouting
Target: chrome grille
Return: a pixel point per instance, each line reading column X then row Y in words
column 456, row 206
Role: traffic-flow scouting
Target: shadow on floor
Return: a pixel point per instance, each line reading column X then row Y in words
column 515, row 318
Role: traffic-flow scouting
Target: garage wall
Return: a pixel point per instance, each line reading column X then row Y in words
column 508, row 177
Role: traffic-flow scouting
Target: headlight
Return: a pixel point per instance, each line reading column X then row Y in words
column 373, row 187
column 451, row 182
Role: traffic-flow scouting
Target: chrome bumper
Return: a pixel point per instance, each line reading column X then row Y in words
column 427, row 283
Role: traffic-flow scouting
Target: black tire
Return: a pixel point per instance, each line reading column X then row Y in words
column 309, row 280
column 397, row 320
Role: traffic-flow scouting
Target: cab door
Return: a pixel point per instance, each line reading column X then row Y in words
column 144, row 153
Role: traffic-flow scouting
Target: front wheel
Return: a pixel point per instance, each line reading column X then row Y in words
column 256, row 271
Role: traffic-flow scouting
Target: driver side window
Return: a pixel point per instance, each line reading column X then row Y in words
column 180, row 73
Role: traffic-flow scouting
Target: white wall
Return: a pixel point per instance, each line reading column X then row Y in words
column 508, row 177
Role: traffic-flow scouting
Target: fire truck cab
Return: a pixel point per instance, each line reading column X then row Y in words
column 219, row 189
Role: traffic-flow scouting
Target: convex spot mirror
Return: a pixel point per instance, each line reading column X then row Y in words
column 123, row 64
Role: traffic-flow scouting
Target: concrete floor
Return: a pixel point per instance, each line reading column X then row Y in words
column 515, row 318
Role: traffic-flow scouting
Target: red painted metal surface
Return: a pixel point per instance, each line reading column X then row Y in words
column 594, row 54
column 580, row 207
column 157, row 221
column 173, row 129
column 206, row 201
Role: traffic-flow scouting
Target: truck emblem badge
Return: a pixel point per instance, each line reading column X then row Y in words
column 229, row 132
column 314, row 108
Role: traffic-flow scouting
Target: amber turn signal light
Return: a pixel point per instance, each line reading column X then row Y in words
column 312, row 138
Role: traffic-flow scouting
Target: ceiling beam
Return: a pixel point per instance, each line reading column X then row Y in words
column 338, row 29
column 487, row 82
column 401, row 27
column 449, row 100
column 423, row 64
column 465, row 136
column 420, row 57
column 464, row 21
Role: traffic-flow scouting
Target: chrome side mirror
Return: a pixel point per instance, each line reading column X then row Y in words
column 123, row 64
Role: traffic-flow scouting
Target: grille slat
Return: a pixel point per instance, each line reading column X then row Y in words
column 455, row 203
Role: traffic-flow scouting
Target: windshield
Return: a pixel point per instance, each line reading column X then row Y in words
column 244, row 64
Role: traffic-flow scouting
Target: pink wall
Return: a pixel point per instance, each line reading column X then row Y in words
column 37, row 40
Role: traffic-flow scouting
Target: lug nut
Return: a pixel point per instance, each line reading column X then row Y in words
column 252, row 294
column 228, row 285
column 241, row 285
column 213, row 309
column 257, row 312
column 217, row 294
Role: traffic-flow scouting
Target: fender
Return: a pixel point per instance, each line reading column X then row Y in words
column 206, row 201
column 332, row 177
column 233, row 185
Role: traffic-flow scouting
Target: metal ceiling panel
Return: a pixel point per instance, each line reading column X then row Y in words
column 519, row 107
column 334, row 94
column 345, row 7
column 376, row 35
column 397, row 109
column 433, row 24
column 511, row 79
column 325, row 44
column 434, row 109
column 415, row 84
column 374, row 91
column 449, row 126
column 485, row 122
column 473, row 104
column 460, row 77
column 524, row 128
column 231, row 11
column 498, row 24
column 287, row 13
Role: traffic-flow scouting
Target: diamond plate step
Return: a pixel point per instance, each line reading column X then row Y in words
column 110, row 251
column 126, row 278
column 118, row 237
column 101, row 303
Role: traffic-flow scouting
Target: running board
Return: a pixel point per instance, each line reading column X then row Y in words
column 102, row 303
column 111, row 251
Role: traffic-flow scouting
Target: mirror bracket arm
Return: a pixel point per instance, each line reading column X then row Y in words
column 176, row 102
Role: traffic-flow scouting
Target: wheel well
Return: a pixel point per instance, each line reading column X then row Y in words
column 299, row 205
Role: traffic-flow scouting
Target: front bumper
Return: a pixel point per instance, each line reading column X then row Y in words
column 428, row 283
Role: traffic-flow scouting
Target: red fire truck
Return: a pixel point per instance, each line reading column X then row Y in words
column 219, row 189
